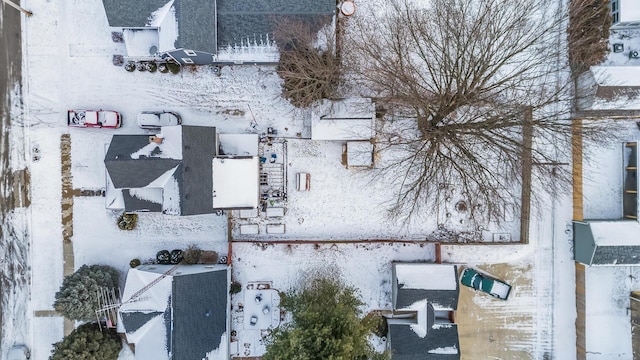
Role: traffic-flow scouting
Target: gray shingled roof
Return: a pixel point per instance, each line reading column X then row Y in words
column 131, row 13
column 407, row 345
column 196, row 183
column 133, row 173
column 133, row 320
column 193, row 173
column 199, row 312
column 205, row 25
column 242, row 19
column 133, row 203
column 196, row 25
column 443, row 298
column 617, row 255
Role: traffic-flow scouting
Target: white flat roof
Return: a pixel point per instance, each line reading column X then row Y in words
column 629, row 10
column 235, row 182
column 615, row 233
column 426, row 276
column 359, row 153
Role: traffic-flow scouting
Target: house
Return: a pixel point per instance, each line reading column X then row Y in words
column 424, row 299
column 209, row 31
column 184, row 170
column 344, row 120
column 625, row 14
column 176, row 312
column 614, row 242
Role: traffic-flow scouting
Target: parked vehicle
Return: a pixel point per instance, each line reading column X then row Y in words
column 94, row 118
column 485, row 283
column 158, row 119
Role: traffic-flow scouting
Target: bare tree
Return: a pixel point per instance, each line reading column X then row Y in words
column 588, row 33
column 309, row 63
column 482, row 95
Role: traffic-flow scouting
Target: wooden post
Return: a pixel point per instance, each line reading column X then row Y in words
column 17, row 7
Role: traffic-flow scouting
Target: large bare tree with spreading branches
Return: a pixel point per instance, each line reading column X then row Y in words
column 479, row 94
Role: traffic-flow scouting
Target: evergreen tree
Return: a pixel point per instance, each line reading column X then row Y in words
column 77, row 298
column 325, row 325
column 88, row 342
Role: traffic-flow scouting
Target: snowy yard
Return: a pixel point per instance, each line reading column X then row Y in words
column 68, row 65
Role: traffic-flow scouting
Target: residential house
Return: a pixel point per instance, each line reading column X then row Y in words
column 614, row 242
column 176, row 312
column 205, row 32
column 183, row 170
column 422, row 324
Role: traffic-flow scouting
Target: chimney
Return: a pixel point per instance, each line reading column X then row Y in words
column 156, row 139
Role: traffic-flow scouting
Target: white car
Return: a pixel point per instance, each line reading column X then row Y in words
column 158, row 119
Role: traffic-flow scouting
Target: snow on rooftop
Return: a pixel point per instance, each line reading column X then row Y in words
column 602, row 172
column 612, row 233
column 239, row 144
column 235, row 182
column 349, row 119
column 359, row 153
column 141, row 42
column 629, row 10
column 426, row 276
column 167, row 27
column 170, row 146
column 616, row 75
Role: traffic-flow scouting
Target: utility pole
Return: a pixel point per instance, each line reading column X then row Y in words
column 17, row 7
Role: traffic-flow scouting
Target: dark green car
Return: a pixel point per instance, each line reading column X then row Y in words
column 485, row 283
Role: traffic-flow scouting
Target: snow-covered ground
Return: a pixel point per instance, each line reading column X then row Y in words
column 68, row 51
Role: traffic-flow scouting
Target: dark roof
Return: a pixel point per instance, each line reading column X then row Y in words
column 196, row 180
column 199, row 312
column 239, row 20
column 133, row 320
column 617, row 255
column 130, row 13
column 443, row 298
column 196, row 20
column 132, row 203
column 129, row 173
column 205, row 25
column 407, row 345
column 193, row 173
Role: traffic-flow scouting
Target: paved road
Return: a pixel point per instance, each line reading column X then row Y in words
column 13, row 243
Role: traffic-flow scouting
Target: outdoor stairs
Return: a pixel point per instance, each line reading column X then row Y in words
column 275, row 176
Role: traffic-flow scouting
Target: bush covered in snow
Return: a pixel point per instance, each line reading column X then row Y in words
column 127, row 221
column 88, row 342
column 77, row 298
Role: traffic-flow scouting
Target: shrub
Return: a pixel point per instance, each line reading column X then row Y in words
column 134, row 263
column 235, row 288
column 127, row 221
column 176, row 256
column 192, row 254
column 163, row 257
column 88, row 342
column 77, row 298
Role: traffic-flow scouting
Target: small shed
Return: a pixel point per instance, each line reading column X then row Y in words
column 359, row 154
column 348, row 119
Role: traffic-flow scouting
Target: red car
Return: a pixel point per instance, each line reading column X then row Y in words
column 94, row 118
